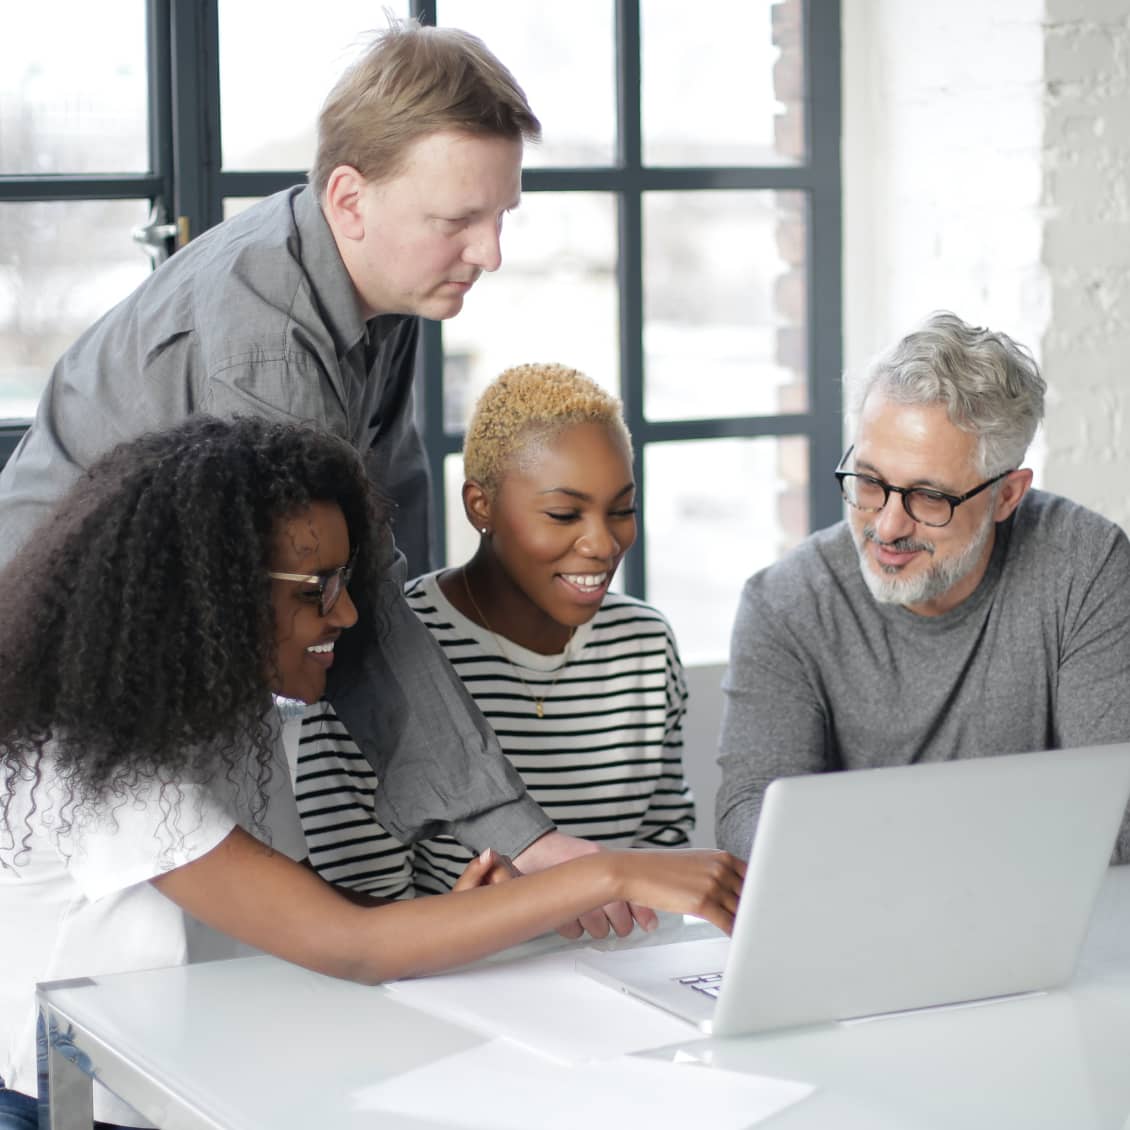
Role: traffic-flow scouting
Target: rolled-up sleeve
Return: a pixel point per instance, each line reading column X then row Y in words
column 438, row 763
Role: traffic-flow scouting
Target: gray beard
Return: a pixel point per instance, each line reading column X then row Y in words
column 888, row 587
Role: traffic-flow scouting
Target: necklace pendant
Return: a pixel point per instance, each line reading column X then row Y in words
column 538, row 708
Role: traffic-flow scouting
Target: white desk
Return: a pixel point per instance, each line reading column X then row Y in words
column 256, row 1043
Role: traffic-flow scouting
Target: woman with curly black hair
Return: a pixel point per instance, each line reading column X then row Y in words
column 188, row 576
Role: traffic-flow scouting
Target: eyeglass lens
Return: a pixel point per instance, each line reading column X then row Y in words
column 925, row 506
column 331, row 591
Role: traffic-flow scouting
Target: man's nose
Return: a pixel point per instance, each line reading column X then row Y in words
column 485, row 248
column 893, row 522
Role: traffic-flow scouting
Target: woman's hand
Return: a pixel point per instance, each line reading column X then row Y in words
column 706, row 884
column 485, row 870
column 618, row 917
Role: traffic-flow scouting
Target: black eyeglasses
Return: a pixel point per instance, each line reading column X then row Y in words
column 930, row 507
column 330, row 585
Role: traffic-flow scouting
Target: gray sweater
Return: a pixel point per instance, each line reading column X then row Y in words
column 822, row 677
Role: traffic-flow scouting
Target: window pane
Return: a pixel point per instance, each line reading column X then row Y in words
column 62, row 265
column 275, row 74
column 555, row 299
column 724, row 304
column 233, row 205
column 745, row 104
column 737, row 504
column 563, row 58
column 73, row 88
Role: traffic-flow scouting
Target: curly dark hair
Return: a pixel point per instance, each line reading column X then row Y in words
column 137, row 633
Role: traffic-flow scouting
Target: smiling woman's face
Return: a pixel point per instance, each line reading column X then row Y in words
column 563, row 518
column 313, row 541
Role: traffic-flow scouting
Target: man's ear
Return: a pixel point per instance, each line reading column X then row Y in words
column 1014, row 486
column 476, row 505
column 342, row 202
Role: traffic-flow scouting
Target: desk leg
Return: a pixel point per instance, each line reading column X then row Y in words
column 70, row 1090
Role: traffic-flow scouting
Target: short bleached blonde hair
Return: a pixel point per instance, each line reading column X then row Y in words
column 532, row 404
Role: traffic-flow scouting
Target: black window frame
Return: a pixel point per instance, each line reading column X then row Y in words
column 188, row 178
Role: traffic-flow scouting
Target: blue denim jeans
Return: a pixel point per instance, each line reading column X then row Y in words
column 23, row 1112
column 18, row 1111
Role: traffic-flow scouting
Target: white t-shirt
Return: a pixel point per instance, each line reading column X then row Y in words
column 77, row 902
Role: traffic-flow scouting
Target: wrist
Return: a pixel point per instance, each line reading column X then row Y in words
column 612, row 875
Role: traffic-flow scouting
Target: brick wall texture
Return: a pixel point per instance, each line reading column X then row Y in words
column 1086, row 251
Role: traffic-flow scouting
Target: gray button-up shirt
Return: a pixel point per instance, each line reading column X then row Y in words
column 258, row 316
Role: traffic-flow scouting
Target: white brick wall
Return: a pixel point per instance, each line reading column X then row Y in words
column 1086, row 251
column 987, row 170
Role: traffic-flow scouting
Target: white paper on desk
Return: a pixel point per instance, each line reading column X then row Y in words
column 501, row 1086
column 546, row 1005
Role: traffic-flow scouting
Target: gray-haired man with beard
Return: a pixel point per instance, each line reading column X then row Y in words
column 956, row 613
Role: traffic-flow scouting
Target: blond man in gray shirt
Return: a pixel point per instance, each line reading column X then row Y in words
column 955, row 613
column 306, row 307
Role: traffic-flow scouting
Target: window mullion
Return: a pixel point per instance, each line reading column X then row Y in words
column 195, row 104
column 160, row 95
column 825, row 287
column 630, row 262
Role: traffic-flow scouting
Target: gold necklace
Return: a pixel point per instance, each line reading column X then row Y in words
column 539, row 703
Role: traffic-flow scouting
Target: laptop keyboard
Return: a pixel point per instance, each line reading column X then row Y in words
column 708, row 983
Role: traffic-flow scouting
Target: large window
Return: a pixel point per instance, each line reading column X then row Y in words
column 70, row 119
column 678, row 240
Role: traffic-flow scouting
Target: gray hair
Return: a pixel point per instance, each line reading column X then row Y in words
column 990, row 385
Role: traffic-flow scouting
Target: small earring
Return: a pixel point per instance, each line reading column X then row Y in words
column 484, row 531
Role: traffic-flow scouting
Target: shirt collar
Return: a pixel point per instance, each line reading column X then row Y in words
column 333, row 288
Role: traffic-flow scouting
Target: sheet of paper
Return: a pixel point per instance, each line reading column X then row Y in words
column 501, row 1086
column 544, row 1004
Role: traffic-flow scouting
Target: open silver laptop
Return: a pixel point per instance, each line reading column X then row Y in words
column 883, row 890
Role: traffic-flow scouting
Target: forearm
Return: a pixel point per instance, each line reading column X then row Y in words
column 358, row 898
column 430, row 934
column 244, row 889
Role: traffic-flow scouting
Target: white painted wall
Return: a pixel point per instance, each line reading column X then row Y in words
column 942, row 168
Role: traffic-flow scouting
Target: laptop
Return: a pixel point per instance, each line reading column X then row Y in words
column 883, row 890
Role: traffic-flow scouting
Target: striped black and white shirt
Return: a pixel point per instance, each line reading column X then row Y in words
column 605, row 761
column 334, row 786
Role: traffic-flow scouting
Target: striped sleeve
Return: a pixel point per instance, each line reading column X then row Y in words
column 334, row 786
column 669, row 820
